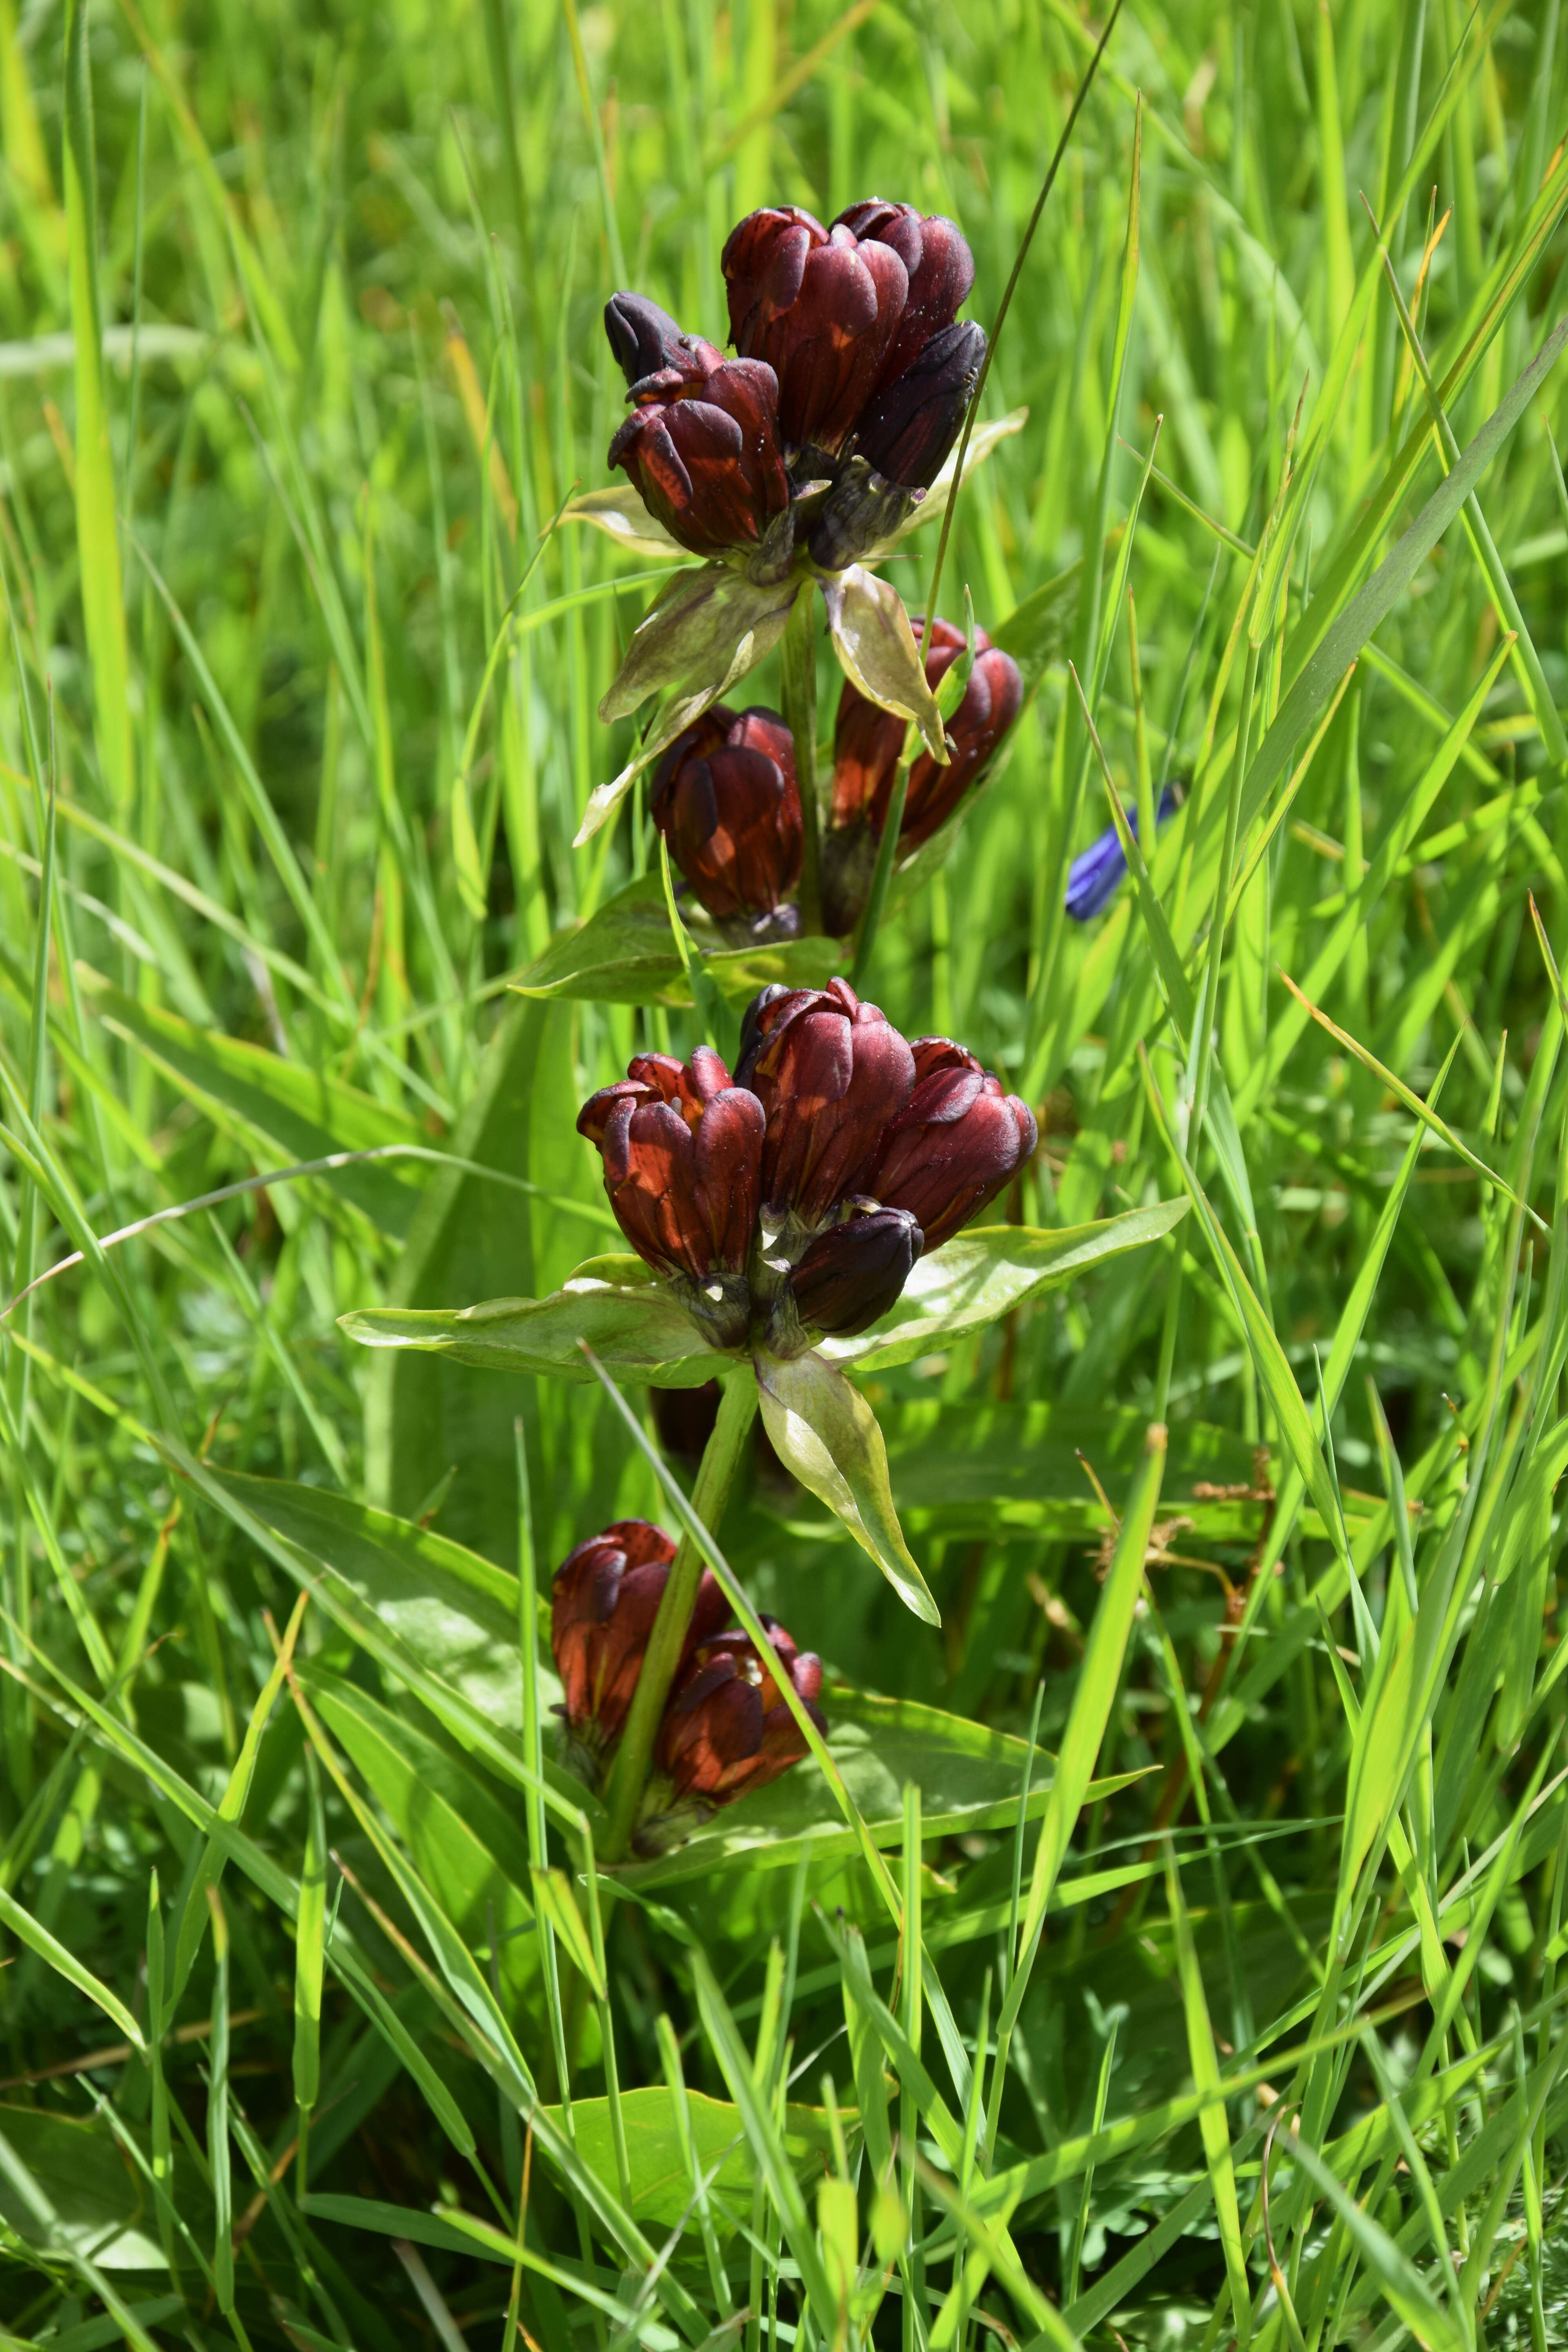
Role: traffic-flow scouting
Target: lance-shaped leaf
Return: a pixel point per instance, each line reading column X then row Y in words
column 624, row 954
column 634, row 1324
column 981, row 1274
column 705, row 631
column 877, row 650
column 826, row 1433
column 618, row 512
column 691, row 631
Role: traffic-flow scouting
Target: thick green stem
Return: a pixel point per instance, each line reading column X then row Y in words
column 886, row 851
column 737, row 1411
column 797, row 660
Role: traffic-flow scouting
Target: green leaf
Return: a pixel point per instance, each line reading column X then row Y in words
column 703, row 632
column 766, row 2145
column 428, row 1416
column 37, row 1939
column 618, row 512
column 636, row 1327
column 1212, row 2125
column 97, row 522
column 468, row 1850
column 624, row 955
column 877, row 651
column 969, row 1778
column 466, row 2233
column 282, row 1110
column 1399, row 2283
column 661, row 2185
column 1344, row 638
column 309, row 1945
column 554, row 1900
column 981, row 1275
column 1015, row 1469
column 826, row 1433
column 1099, row 1678
column 97, row 2205
column 438, row 1617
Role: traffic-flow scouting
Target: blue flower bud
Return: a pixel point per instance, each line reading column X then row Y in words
column 1092, row 878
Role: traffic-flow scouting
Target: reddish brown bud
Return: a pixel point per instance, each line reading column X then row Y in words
column 956, row 1144
column 908, row 427
column 725, row 799
column 727, row 1728
column 867, row 741
column 647, row 340
column 701, row 447
column 822, row 308
column 682, row 1151
column 939, row 266
column 604, row 1598
column 831, row 1074
column 849, row 1276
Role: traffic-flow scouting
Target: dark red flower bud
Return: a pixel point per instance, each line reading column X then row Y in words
column 940, row 267
column 958, row 1142
column 604, row 1598
column 682, row 1151
column 701, row 447
column 727, row 1728
column 822, row 308
column 909, row 425
column 647, row 340
column 725, row 799
column 831, row 1074
column 852, row 1274
column 867, row 741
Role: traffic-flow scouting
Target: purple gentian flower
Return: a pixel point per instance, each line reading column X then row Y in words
column 1092, row 878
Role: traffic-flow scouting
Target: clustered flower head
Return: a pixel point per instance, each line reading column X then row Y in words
column 726, row 1728
column 726, row 800
column 867, row 745
column 681, row 1145
column 853, row 377
column 791, row 1203
column 701, row 442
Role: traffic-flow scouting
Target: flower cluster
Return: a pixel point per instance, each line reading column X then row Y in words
column 790, row 1203
column 726, row 801
column 867, row 745
column 726, row 1726
column 853, row 377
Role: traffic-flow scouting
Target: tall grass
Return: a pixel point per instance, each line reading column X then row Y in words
column 1178, row 1958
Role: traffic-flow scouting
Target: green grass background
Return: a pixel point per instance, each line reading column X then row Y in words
column 299, row 356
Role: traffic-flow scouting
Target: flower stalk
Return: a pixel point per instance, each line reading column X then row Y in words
column 715, row 1476
column 797, row 661
column 886, row 851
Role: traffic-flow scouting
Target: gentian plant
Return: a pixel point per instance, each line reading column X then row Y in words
column 810, row 1215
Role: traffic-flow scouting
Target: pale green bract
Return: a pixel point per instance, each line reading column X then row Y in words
column 822, row 1428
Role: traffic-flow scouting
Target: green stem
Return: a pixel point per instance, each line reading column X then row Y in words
column 1208, row 994
column 715, row 1476
column 886, row 851
column 797, row 661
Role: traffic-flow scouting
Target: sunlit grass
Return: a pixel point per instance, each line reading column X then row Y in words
column 300, row 361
